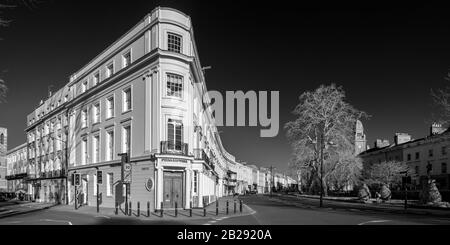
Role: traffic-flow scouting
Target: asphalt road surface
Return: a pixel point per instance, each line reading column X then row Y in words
column 265, row 211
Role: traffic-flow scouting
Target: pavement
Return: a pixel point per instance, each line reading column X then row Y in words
column 67, row 215
column 181, row 214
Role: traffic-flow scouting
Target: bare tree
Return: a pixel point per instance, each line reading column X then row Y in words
column 441, row 100
column 324, row 120
column 3, row 90
column 6, row 5
column 385, row 173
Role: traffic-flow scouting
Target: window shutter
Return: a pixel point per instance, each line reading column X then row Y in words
column 178, row 135
column 170, row 135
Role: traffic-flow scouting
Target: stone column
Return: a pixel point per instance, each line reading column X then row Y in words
column 188, row 174
column 159, row 187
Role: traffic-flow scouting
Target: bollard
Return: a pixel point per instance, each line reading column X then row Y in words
column 138, row 209
column 240, row 206
column 117, row 208
column 162, row 209
column 217, row 207
column 176, row 209
column 190, row 210
column 204, row 210
column 228, row 204
column 148, row 209
column 234, row 206
column 130, row 211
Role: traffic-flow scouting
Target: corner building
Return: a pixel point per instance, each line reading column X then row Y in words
column 142, row 96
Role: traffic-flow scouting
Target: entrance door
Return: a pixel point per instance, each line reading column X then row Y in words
column 173, row 189
column 84, row 200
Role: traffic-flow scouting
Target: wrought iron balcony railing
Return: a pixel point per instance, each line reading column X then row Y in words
column 200, row 154
column 174, row 148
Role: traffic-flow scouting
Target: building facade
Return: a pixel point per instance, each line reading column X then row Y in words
column 142, row 96
column 3, row 152
column 424, row 156
column 17, row 170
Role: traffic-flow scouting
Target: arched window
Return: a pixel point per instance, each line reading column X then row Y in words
column 2, row 139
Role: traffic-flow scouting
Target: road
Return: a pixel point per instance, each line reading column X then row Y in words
column 264, row 211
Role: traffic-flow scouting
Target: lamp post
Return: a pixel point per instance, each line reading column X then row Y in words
column 273, row 178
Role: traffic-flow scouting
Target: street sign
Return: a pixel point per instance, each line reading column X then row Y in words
column 127, row 173
column 99, row 177
column 77, row 180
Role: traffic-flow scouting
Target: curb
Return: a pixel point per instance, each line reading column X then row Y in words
column 168, row 216
column 382, row 205
column 387, row 209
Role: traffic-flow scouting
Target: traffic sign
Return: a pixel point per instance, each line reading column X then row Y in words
column 127, row 173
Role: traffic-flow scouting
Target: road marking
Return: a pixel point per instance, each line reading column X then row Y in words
column 57, row 221
column 102, row 216
column 14, row 222
column 375, row 221
column 252, row 212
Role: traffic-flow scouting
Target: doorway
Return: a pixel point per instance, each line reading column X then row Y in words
column 84, row 190
column 173, row 189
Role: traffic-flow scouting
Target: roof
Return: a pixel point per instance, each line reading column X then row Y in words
column 373, row 150
column 17, row 148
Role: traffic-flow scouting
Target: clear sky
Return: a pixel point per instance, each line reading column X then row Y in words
column 387, row 59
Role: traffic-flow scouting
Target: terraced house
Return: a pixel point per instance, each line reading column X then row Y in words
column 17, row 169
column 143, row 96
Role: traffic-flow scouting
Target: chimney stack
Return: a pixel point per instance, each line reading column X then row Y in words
column 436, row 128
column 401, row 138
column 381, row 143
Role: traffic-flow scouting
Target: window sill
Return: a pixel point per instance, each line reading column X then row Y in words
column 109, row 119
column 174, row 98
column 126, row 112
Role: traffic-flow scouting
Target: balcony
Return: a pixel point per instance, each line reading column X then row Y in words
column 172, row 148
column 200, row 154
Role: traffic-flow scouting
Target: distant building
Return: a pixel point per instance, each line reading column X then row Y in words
column 421, row 154
column 3, row 150
column 17, row 169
